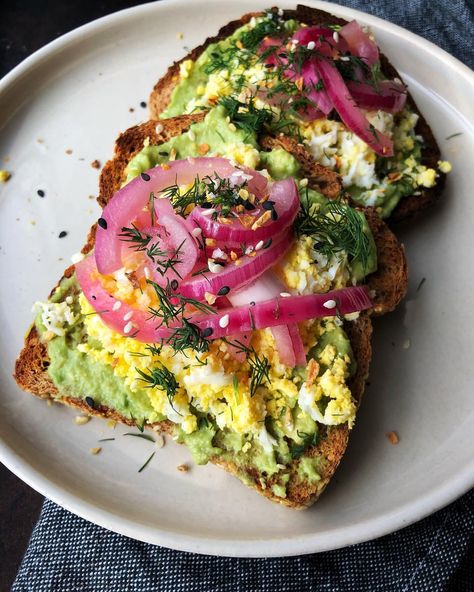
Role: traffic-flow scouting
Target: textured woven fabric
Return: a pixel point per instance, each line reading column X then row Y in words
column 68, row 554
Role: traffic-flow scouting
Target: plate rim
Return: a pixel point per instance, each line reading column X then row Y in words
column 276, row 547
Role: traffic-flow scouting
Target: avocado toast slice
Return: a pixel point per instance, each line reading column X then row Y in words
column 323, row 448
column 399, row 187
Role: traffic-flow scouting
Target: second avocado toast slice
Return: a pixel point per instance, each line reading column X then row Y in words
column 232, row 68
column 306, row 452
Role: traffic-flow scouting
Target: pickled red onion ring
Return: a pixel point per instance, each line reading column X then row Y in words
column 140, row 325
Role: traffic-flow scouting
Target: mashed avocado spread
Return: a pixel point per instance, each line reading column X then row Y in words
column 215, row 137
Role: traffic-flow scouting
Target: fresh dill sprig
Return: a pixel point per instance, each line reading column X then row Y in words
column 259, row 371
column 335, row 227
column 210, row 191
column 195, row 195
column 252, row 119
column 164, row 260
column 296, row 450
column 188, row 336
column 161, row 378
column 146, row 462
column 259, row 365
column 243, row 52
column 172, row 305
column 138, row 240
column 143, row 436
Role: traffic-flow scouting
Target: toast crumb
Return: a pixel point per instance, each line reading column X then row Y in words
column 68, row 151
column 183, row 468
column 5, row 176
column 81, row 419
column 95, row 450
column 393, row 437
column 160, row 441
column 95, row 164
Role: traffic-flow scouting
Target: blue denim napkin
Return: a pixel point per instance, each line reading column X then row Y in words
column 69, row 554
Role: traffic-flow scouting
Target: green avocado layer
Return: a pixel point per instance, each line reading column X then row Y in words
column 215, row 132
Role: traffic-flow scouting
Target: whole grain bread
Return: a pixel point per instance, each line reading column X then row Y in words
column 389, row 284
column 409, row 207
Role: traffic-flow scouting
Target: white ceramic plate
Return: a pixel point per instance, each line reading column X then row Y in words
column 75, row 94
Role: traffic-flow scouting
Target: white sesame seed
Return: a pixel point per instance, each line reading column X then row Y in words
column 311, row 45
column 159, row 128
column 128, row 327
column 116, row 305
column 232, row 127
column 69, row 299
column 224, row 321
column 197, row 231
column 303, row 182
column 248, row 250
column 335, row 36
column 128, row 315
column 259, row 245
column 77, row 257
column 146, row 271
column 219, row 254
column 280, row 12
column 214, row 267
column 208, row 212
column 329, row 304
column 345, row 59
column 191, row 135
column 285, row 294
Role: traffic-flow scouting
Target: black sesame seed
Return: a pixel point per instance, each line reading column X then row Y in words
column 206, row 205
column 268, row 205
column 102, row 222
column 145, row 176
column 274, row 215
column 41, row 193
column 249, row 206
column 267, row 243
column 94, row 297
column 252, row 303
column 90, row 401
column 62, row 234
column 174, row 284
column 223, row 291
column 164, row 153
column 143, row 104
column 207, row 332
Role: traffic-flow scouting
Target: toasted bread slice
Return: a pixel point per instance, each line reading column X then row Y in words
column 389, row 283
column 409, row 207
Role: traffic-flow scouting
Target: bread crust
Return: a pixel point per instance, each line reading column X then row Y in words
column 31, row 368
column 408, row 207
